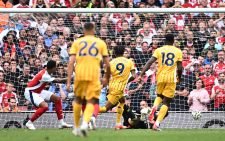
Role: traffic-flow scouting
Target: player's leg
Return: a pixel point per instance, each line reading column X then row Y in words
column 92, row 98
column 107, row 107
column 162, row 112
column 58, row 108
column 168, row 94
column 113, row 99
column 119, row 113
column 38, row 102
column 77, row 104
column 157, row 101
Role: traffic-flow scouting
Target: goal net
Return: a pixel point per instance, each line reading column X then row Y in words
column 33, row 36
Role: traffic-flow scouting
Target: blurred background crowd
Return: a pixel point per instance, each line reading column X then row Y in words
column 27, row 41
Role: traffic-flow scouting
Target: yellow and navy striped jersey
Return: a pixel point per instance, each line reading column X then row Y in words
column 89, row 51
column 120, row 70
column 167, row 57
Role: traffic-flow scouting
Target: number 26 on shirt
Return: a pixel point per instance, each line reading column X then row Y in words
column 92, row 49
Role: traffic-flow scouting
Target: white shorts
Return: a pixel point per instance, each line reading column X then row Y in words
column 36, row 98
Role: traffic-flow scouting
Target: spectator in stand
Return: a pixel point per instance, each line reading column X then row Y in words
column 37, row 66
column 218, row 94
column 198, row 98
column 40, row 48
column 53, row 24
column 6, row 69
column 49, row 37
column 186, row 58
column 145, row 54
column 13, row 74
column 22, row 4
column 4, row 17
column 40, row 4
column 212, row 44
column 2, row 83
column 5, row 96
column 7, row 57
column 44, row 57
column 191, row 42
column 202, row 35
column 210, row 57
column 221, row 39
column 12, row 107
column 147, row 32
column 84, row 4
column 10, row 45
column 219, row 66
column 138, row 42
column 22, row 38
column 76, row 27
column 23, row 79
column 63, row 48
column 60, row 24
column 154, row 45
column 208, row 79
column 58, row 4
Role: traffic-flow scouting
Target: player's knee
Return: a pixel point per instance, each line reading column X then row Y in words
column 44, row 105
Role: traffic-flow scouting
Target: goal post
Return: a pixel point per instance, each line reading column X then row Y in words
column 38, row 35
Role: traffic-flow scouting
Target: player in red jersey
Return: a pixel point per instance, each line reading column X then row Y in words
column 36, row 94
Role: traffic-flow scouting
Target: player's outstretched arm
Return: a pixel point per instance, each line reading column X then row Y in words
column 147, row 65
column 60, row 80
column 107, row 73
column 132, row 77
column 70, row 71
column 179, row 70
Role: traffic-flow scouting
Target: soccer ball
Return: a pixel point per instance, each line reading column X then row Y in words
column 196, row 115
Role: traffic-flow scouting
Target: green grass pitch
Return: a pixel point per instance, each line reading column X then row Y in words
column 112, row 135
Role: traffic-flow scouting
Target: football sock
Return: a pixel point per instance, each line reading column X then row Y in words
column 76, row 114
column 88, row 112
column 58, row 109
column 38, row 113
column 96, row 110
column 102, row 109
column 119, row 113
column 158, row 100
column 162, row 112
column 83, row 108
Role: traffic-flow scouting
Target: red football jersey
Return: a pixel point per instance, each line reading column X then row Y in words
column 40, row 80
column 220, row 98
column 208, row 82
column 5, row 98
column 218, row 68
column 2, row 87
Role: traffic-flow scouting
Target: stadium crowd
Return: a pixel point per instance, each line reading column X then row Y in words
column 27, row 41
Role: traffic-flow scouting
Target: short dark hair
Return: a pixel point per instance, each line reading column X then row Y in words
column 119, row 50
column 169, row 39
column 203, row 85
column 89, row 26
column 51, row 64
column 6, row 62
